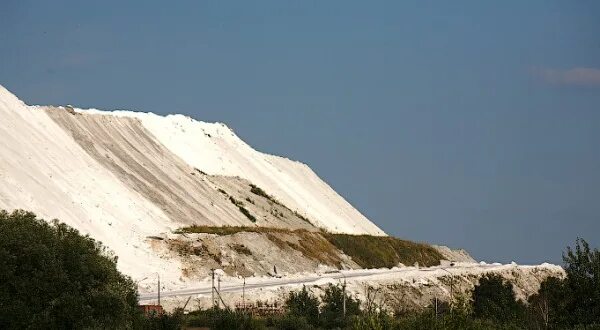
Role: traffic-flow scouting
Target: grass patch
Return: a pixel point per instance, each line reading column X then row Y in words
column 230, row 230
column 186, row 248
column 242, row 209
column 221, row 231
column 235, row 201
column 367, row 251
column 302, row 217
column 384, row 251
column 316, row 247
column 247, row 213
column 311, row 245
column 278, row 241
column 259, row 192
column 241, row 249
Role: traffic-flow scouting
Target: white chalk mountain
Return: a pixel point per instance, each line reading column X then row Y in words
column 122, row 176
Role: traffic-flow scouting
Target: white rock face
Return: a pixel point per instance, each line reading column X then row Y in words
column 78, row 167
column 216, row 150
column 43, row 169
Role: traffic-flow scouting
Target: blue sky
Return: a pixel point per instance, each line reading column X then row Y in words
column 473, row 124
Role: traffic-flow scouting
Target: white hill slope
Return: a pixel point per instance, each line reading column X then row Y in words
column 122, row 176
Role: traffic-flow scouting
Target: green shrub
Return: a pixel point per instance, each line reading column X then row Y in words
column 548, row 306
column 224, row 319
column 574, row 301
column 332, row 311
column 52, row 277
column 303, row 304
column 247, row 213
column 292, row 322
column 166, row 321
column 582, row 266
column 494, row 298
column 258, row 191
column 242, row 209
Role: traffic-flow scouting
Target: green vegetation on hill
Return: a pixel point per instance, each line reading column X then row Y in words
column 367, row 251
column 570, row 303
column 242, row 209
column 228, row 230
column 260, row 192
column 384, row 251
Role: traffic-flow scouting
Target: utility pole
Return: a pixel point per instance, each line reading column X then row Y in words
column 244, row 294
column 158, row 275
column 219, row 290
column 451, row 286
column 344, row 293
column 344, row 305
column 212, row 288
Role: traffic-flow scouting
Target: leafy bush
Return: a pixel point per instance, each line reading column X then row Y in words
column 582, row 266
column 242, row 209
column 332, row 312
column 548, row 306
column 457, row 320
column 259, row 192
column 53, row 277
column 292, row 322
column 574, row 301
column 235, row 201
column 163, row 321
column 494, row 298
column 224, row 319
column 247, row 213
column 303, row 304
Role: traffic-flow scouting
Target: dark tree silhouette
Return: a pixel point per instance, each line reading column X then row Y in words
column 51, row 277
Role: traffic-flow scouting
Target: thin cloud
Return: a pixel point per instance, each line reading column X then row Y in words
column 588, row 77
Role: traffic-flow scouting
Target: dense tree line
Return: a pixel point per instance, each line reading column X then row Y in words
column 571, row 302
column 52, row 277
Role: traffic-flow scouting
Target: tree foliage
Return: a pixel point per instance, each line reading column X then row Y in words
column 303, row 304
column 494, row 298
column 332, row 312
column 548, row 306
column 582, row 266
column 53, row 277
